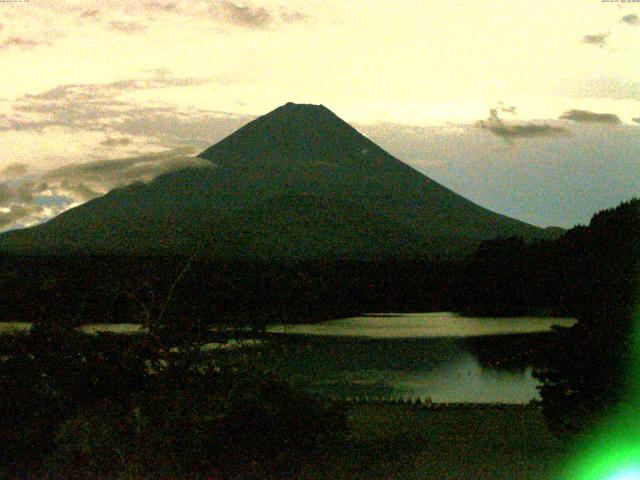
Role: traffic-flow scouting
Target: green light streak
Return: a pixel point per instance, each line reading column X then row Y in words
column 613, row 451
column 632, row 474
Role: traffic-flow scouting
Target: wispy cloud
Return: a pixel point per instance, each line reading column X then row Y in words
column 127, row 27
column 111, row 17
column 90, row 14
column 104, row 175
column 19, row 192
column 293, row 16
column 507, row 109
column 31, row 200
column 161, row 6
column 510, row 131
column 115, row 142
column 14, row 170
column 599, row 39
column 20, row 43
column 91, row 106
column 631, row 19
column 15, row 213
column 243, row 15
column 96, row 113
column 526, row 130
column 75, row 92
column 587, row 116
column 254, row 17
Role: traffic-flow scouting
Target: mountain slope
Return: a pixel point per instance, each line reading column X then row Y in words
column 297, row 183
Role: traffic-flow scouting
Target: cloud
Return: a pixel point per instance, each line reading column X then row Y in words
column 20, row 43
column 115, row 142
column 22, row 191
column 162, row 6
column 26, row 190
column 75, row 92
column 602, row 86
column 503, row 108
column 127, row 27
column 34, row 200
column 90, row 14
column 526, row 130
column 15, row 213
column 586, row 116
column 293, row 17
column 86, row 108
column 17, row 205
column 104, row 175
column 6, row 193
column 507, row 132
column 599, row 39
column 145, row 10
column 631, row 19
column 91, row 106
column 14, row 170
column 244, row 15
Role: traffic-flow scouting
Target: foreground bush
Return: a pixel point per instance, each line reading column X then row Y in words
column 258, row 427
column 54, row 371
column 115, row 406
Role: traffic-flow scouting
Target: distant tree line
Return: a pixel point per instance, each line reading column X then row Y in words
column 110, row 289
column 592, row 273
column 587, row 268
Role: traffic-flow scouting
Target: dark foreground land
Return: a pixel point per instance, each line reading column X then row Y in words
column 406, row 442
column 76, row 404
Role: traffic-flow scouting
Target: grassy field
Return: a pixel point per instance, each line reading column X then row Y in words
column 404, row 442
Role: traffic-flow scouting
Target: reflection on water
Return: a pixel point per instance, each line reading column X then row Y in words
column 418, row 325
column 444, row 369
column 437, row 355
column 91, row 328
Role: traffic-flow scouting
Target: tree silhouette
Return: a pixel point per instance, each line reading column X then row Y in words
column 589, row 370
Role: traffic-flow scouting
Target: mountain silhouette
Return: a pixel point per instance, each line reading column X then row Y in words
column 297, row 183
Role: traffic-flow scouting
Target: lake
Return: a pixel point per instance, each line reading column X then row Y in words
column 439, row 355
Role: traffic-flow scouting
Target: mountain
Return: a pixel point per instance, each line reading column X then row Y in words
column 296, row 183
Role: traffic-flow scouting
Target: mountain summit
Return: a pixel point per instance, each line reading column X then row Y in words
column 299, row 133
column 297, row 183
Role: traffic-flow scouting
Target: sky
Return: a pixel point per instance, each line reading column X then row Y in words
column 528, row 108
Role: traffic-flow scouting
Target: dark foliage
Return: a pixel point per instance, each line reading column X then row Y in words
column 510, row 277
column 111, row 289
column 591, row 370
column 585, row 273
column 591, row 273
column 108, row 405
column 54, row 371
column 513, row 352
column 228, row 426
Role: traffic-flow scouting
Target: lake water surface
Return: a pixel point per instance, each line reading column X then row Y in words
column 438, row 355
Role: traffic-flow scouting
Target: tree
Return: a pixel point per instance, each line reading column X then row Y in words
column 589, row 368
